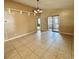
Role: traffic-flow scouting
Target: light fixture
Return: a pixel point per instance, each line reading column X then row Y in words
column 21, row 12
column 38, row 10
column 9, row 10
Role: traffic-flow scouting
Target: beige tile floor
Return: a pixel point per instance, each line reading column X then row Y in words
column 40, row 45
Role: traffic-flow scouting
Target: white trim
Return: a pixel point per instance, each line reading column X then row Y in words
column 67, row 33
column 18, row 36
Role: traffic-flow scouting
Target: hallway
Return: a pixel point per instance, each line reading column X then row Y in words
column 40, row 45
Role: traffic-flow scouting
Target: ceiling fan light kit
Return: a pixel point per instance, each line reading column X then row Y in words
column 38, row 10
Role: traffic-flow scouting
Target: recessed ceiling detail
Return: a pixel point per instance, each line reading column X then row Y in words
column 48, row 4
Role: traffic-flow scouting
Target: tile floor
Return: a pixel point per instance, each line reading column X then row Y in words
column 40, row 45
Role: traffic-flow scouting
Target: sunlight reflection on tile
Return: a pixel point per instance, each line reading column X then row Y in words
column 53, row 37
column 49, row 38
column 38, row 37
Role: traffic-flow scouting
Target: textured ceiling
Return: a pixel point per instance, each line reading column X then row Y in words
column 48, row 4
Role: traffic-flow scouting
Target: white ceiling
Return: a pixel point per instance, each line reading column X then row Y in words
column 48, row 4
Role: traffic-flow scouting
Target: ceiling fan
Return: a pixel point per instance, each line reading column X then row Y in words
column 37, row 10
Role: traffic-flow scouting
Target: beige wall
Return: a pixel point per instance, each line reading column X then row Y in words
column 66, row 17
column 16, row 23
column 67, row 21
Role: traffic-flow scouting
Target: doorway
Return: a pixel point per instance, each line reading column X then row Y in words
column 53, row 23
column 38, row 23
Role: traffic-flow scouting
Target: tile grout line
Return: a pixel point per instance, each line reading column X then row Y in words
column 30, row 50
column 47, row 49
column 17, row 52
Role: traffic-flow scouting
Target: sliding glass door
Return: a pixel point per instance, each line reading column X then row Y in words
column 53, row 23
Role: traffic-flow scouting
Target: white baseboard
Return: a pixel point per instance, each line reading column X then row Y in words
column 66, row 33
column 18, row 36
